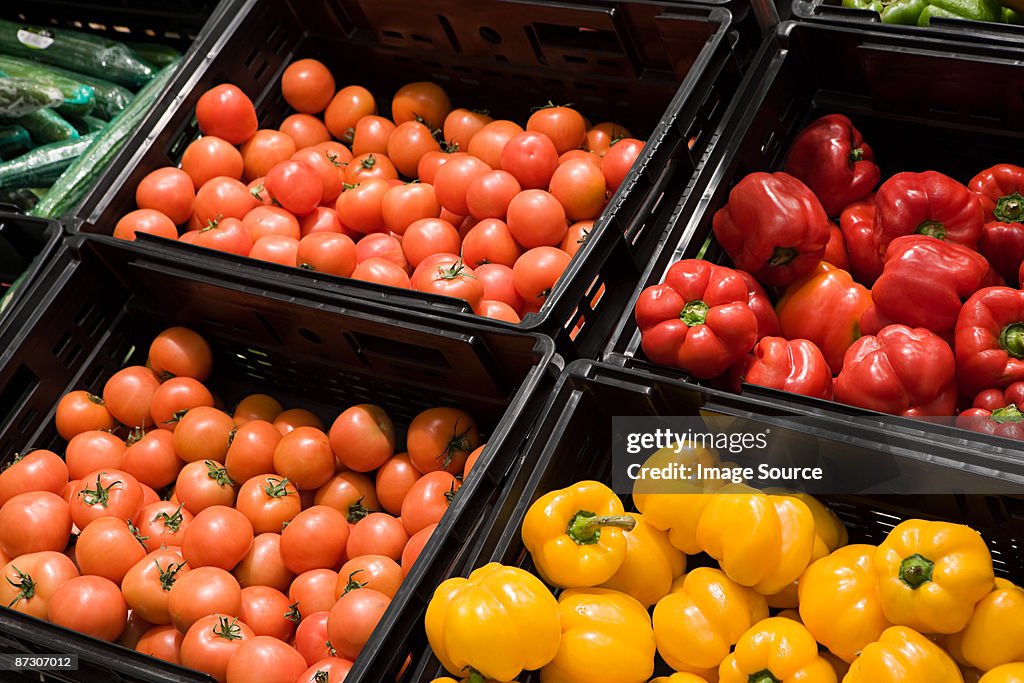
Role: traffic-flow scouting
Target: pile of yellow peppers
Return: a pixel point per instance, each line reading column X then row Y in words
column 924, row 606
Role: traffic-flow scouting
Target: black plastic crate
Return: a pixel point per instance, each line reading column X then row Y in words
column 665, row 70
column 921, row 102
column 27, row 245
column 307, row 352
column 573, row 442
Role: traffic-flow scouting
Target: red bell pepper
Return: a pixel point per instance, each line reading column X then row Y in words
column 928, row 203
column 1005, row 422
column 924, row 283
column 796, row 366
column 994, row 399
column 857, row 223
column 773, row 227
column 831, row 157
column 989, row 339
column 902, row 371
column 698, row 319
column 835, row 250
column 824, row 307
column 1000, row 190
column 761, row 305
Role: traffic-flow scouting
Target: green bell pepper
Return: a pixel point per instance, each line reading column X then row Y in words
column 920, row 12
column 873, row 5
column 1012, row 17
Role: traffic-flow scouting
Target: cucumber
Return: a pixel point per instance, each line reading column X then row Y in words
column 72, row 185
column 46, row 126
column 13, row 140
column 20, row 96
column 79, row 97
column 75, row 50
column 88, row 124
column 43, row 165
column 155, row 54
column 111, row 98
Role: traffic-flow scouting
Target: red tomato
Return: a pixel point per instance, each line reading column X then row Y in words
column 202, row 484
column 189, row 237
column 427, row 500
column 29, row 581
column 379, row 245
column 145, row 220
column 80, row 411
column 107, row 547
column 149, row 495
column 375, row 572
column 268, row 501
column 601, row 137
column 452, row 181
column 162, row 642
column 276, row 249
column 489, row 195
column 368, row 166
column 537, row 271
column 536, row 219
column 578, row 154
column 497, row 310
column 265, row 610
column 498, row 286
column 305, row 130
column 371, row 135
column 252, row 450
column 414, row 547
column 359, row 207
column 203, row 433
column 168, row 190
column 490, row 241
column 315, row 539
column 382, row 272
column 422, row 101
column 353, row 619
column 331, row 172
column 219, row 536
column 577, row 236
column 147, row 584
column 265, row 659
column 40, row 470
column 394, row 479
column 257, row 407
column 408, row 144
column 227, row 235
column 327, row 670
column 348, row 105
column 223, row 197
column 162, row 524
column 619, row 159
column 429, row 236
column 445, row 274
column 271, row 220
column 488, row 142
column 338, row 154
column 225, row 111
column 295, row 185
column 90, row 605
column 350, row 493
column 180, row 352
column 313, row 591
column 377, row 534
column 263, row 566
column 263, row 150
column 363, row 437
column 441, row 439
column 531, row 158
column 471, row 461
column 322, row 219
column 430, row 162
column 201, row 592
column 580, row 187
column 211, row 642
column 461, row 125
column 304, row 457
column 405, row 204
column 258, row 191
column 90, row 451
column 327, row 252
column 174, row 398
column 311, row 636
column 209, row 157
column 150, row 458
column 563, row 125
column 103, row 493
column 295, row 418
column 307, row 86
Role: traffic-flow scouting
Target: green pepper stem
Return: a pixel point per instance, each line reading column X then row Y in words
column 474, row 676
column 585, row 527
column 1011, row 340
column 694, row 313
column 1010, row 208
column 763, row 676
column 856, row 155
column 781, row 256
column 915, row 571
column 1008, row 413
column 932, row 229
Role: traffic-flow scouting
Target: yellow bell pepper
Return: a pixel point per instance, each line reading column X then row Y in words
column 449, row 679
column 932, row 574
column 760, row 541
column 606, row 638
column 1007, row 673
column 651, row 564
column 576, row 535
column 680, row 677
column 995, row 633
column 838, row 665
column 696, row 625
column 902, row 655
column 840, row 603
column 776, row 650
column 493, row 624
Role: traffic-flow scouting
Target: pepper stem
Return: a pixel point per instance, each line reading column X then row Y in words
column 585, row 527
column 763, row 676
column 1011, row 340
column 694, row 313
column 856, row 155
column 915, row 571
column 1006, row 414
column 474, row 676
column 932, row 229
column 1010, row 208
column 781, row 256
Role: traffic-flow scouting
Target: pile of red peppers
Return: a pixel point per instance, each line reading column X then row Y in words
column 906, row 304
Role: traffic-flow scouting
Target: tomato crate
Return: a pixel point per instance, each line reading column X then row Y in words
column 309, row 352
column 573, row 442
column 27, row 245
column 885, row 83
column 665, row 70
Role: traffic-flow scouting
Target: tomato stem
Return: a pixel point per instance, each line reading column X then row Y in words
column 100, row 495
column 276, row 488
column 458, row 442
column 168, row 576
column 25, row 585
column 356, row 511
column 135, row 436
column 219, row 474
column 227, row 630
column 138, row 535
column 353, row 584
column 293, row 613
column 171, row 521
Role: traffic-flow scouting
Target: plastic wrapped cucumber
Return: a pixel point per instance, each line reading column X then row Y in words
column 20, row 96
column 72, row 185
column 87, row 124
column 111, row 98
column 79, row 97
column 157, row 55
column 13, row 140
column 43, row 165
column 46, row 126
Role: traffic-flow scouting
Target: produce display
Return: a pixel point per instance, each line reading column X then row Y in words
column 431, row 198
column 255, row 541
column 921, row 12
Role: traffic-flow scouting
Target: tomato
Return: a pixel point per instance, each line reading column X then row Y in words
column 311, row 636
column 619, row 159
column 276, row 249
column 579, row 154
column 40, row 470
column 490, row 241
column 209, row 157
column 408, row 144
column 405, row 204
column 295, row 185
column 488, row 142
column 327, row 252
column 304, row 457
column 363, row 437
column 489, row 195
column 150, row 458
column 563, row 125
column 382, row 272
column 162, row 642
column 537, row 271
column 314, row 539
column 461, row 125
column 128, row 395
column 203, row 433
column 313, row 591
column 223, row 197
column 265, row 610
column 497, row 310
column 536, row 218
column 252, row 450
column 90, row 605
column 327, row 670
column 202, row 484
column 265, row 659
column 218, row 536
column 147, row 584
column 227, row 235
column 331, row 173
column 338, row 154
column 445, row 274
column 353, row 618
column 375, row 572
column 294, row 418
column 441, row 439
column 102, row 493
column 305, row 130
column 264, row 149
column 601, row 137
column 348, row 105
column 427, row 500
column 452, row 181
column 414, row 547
column 580, row 187
column 430, row 162
column 149, row 496
column 90, row 451
column 189, row 237
column 429, row 236
column 423, row 101
column 257, row 407
column 263, row 566
column 168, row 190
column 29, row 581
column 200, row 592
column 80, row 411
column 147, row 221
column 498, row 285
column 471, row 461
column 371, row 134
column 394, row 479
column 367, row 166
column 377, row 534
column 107, row 547
column 577, row 236
column 174, row 398
column 307, row 86
column 271, row 220
column 268, row 501
column 359, row 207
column 162, row 524
column 350, row 493
column 322, row 219
column 379, row 245
column 225, row 111
column 69, row 490
column 531, row 158
column 180, row 352
column 211, row 642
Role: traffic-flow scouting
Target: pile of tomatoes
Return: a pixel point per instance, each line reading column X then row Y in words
column 491, row 213
column 276, row 546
